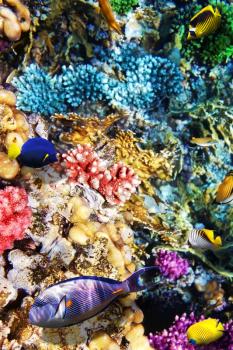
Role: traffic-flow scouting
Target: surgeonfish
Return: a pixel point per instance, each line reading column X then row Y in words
column 34, row 153
column 205, row 332
column 107, row 11
column 203, row 141
column 80, row 298
column 205, row 22
column 204, row 239
column 225, row 190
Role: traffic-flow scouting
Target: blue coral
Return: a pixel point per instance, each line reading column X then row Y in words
column 39, row 92
column 145, row 80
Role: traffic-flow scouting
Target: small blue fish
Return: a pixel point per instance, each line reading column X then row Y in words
column 80, row 298
column 35, row 153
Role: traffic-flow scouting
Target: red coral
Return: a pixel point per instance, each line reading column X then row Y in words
column 15, row 216
column 115, row 184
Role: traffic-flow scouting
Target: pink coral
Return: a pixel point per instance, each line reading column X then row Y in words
column 171, row 265
column 116, row 184
column 15, row 216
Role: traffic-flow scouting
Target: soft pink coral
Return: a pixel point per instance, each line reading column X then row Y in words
column 116, row 184
column 15, row 216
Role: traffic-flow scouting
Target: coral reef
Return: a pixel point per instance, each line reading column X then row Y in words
column 15, row 216
column 123, row 6
column 171, row 265
column 14, row 19
column 84, row 166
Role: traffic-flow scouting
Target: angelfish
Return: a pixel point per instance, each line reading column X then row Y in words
column 204, row 239
column 225, row 190
column 78, row 299
column 205, row 22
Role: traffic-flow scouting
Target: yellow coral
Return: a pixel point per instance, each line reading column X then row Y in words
column 145, row 162
column 83, row 130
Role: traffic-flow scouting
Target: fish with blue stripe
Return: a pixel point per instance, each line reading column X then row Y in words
column 77, row 299
column 37, row 152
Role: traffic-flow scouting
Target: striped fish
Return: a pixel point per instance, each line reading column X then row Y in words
column 204, row 239
column 225, row 190
column 205, row 22
column 78, row 299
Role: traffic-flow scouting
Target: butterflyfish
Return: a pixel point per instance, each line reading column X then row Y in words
column 34, row 153
column 205, row 332
column 205, row 22
column 203, row 141
column 204, row 239
column 225, row 190
column 107, row 11
column 78, row 299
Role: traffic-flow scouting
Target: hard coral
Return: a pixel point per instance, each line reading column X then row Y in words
column 116, row 184
column 14, row 19
column 15, row 216
column 171, row 265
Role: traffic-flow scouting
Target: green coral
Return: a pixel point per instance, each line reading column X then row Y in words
column 123, row 6
column 216, row 48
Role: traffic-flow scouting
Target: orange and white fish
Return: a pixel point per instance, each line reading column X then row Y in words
column 203, row 141
column 225, row 190
column 204, row 239
column 107, row 11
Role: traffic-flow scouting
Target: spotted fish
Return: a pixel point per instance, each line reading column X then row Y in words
column 225, row 190
column 205, row 22
column 78, row 299
column 204, row 239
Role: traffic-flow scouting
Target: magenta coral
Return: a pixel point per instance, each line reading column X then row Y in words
column 15, row 216
column 175, row 337
column 171, row 265
column 116, row 184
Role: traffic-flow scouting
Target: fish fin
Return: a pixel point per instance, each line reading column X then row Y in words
column 13, row 151
column 61, row 308
column 115, row 26
column 217, row 13
column 209, row 234
column 133, row 282
column 218, row 241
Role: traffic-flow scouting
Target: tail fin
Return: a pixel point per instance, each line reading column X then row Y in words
column 218, row 241
column 13, row 151
column 133, row 282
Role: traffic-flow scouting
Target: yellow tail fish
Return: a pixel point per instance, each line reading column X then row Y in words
column 204, row 239
column 107, row 11
column 205, row 332
column 205, row 22
column 225, row 190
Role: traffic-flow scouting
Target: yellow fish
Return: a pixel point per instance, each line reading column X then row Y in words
column 203, row 141
column 205, row 332
column 205, row 22
column 107, row 11
column 13, row 151
column 225, row 190
column 204, row 239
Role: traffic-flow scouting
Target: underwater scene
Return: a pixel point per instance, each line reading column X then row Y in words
column 116, row 175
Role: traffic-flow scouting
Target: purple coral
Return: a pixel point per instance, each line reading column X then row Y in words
column 175, row 337
column 171, row 265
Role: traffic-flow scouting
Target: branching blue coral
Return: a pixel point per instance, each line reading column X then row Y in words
column 39, row 92
column 144, row 81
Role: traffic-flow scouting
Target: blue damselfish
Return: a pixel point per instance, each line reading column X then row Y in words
column 77, row 299
column 37, row 152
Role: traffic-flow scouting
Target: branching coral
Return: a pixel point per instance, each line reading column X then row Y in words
column 146, row 80
column 14, row 19
column 15, row 216
column 171, row 265
column 84, row 166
